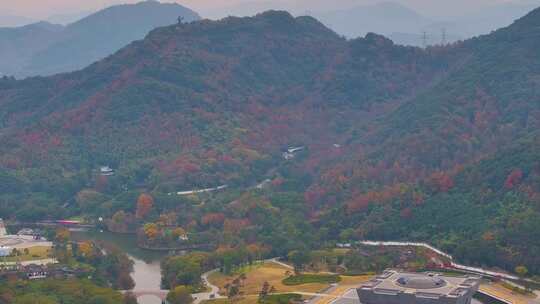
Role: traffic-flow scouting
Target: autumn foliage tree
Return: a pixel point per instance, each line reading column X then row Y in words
column 145, row 202
column 151, row 231
column 441, row 181
column 513, row 179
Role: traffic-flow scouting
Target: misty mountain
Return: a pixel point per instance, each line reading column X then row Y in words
column 45, row 49
column 489, row 19
column 383, row 18
column 13, row 21
column 396, row 20
column 68, row 18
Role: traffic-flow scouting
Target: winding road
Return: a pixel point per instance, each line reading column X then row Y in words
column 442, row 253
column 212, row 294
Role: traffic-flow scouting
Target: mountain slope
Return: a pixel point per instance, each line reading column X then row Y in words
column 467, row 161
column 436, row 145
column 198, row 86
column 87, row 40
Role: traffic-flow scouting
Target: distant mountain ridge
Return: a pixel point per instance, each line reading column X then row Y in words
column 394, row 19
column 44, row 49
column 13, row 21
column 383, row 18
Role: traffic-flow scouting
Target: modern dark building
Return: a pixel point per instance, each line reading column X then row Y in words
column 395, row 287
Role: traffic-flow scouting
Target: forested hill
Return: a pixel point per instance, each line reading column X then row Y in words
column 400, row 142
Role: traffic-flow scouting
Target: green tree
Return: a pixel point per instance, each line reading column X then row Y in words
column 521, row 271
column 180, row 295
column 299, row 258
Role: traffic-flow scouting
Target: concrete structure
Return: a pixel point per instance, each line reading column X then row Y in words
column 3, row 230
column 395, row 287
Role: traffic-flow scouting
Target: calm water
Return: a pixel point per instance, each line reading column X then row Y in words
column 146, row 268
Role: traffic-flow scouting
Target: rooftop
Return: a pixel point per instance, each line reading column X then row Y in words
column 426, row 285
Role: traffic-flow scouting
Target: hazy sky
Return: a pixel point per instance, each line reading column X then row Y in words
column 45, row 8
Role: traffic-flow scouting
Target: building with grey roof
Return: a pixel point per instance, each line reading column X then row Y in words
column 395, row 287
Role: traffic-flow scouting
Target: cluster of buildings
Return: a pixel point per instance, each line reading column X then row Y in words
column 35, row 272
column 25, row 238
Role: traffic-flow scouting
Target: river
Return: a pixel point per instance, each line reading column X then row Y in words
column 146, row 268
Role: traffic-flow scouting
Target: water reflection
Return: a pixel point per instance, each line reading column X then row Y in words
column 149, row 300
column 147, row 276
column 146, row 268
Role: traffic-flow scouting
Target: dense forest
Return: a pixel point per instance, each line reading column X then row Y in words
column 436, row 144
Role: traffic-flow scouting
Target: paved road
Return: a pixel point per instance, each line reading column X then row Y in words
column 323, row 294
column 440, row 252
column 214, row 290
column 199, row 191
column 277, row 261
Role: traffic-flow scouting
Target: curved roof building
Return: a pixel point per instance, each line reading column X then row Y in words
column 394, row 287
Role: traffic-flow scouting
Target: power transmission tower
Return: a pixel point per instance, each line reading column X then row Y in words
column 424, row 39
column 443, row 39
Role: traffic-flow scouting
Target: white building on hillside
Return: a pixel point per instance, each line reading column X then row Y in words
column 3, row 230
column 106, row 171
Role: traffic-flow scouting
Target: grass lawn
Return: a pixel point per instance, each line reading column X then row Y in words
column 354, row 280
column 285, row 298
column 258, row 274
column 34, row 253
column 307, row 278
column 501, row 291
column 254, row 299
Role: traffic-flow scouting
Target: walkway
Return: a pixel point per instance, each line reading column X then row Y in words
column 199, row 190
column 442, row 253
column 212, row 294
column 277, row 261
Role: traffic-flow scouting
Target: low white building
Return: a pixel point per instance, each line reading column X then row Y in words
column 3, row 230
column 5, row 251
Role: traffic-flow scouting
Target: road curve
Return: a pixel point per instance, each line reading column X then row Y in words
column 214, row 290
column 454, row 265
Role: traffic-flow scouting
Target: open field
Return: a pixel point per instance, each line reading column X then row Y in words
column 258, row 274
column 302, row 279
column 34, row 253
column 274, row 274
column 497, row 289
